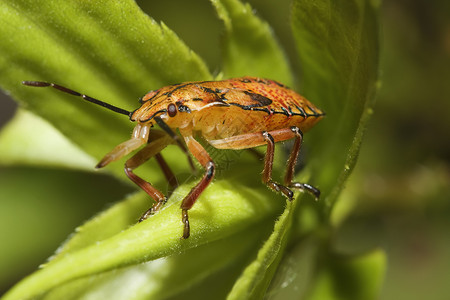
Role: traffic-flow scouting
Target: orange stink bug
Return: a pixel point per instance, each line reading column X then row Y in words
column 268, row 112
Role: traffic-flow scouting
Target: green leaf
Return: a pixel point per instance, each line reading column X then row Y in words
column 337, row 43
column 253, row 282
column 109, row 50
column 167, row 276
column 249, row 46
column 296, row 271
column 309, row 271
column 114, row 246
column 19, row 147
column 349, row 277
column 39, row 207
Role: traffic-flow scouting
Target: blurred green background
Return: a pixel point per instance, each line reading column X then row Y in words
column 401, row 186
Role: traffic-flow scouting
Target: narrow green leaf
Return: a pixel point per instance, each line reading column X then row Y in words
column 296, row 271
column 167, row 276
column 109, row 50
column 255, row 279
column 124, row 214
column 19, row 147
column 249, row 46
column 337, row 43
column 349, row 277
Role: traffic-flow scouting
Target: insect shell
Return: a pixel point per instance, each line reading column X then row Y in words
column 238, row 113
column 227, row 108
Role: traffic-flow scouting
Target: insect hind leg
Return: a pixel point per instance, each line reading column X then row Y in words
column 268, row 164
column 250, row 140
column 291, row 166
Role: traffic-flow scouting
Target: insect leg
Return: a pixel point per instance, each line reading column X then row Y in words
column 249, row 140
column 293, row 156
column 205, row 160
column 121, row 150
column 268, row 163
column 291, row 166
column 151, row 149
column 254, row 139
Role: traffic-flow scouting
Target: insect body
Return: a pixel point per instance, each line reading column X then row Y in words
column 238, row 113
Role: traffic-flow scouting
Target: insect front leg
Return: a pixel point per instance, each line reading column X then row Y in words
column 205, row 160
column 151, row 149
column 120, row 151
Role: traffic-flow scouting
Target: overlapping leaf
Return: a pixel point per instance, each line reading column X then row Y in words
column 249, row 41
column 337, row 43
column 337, row 46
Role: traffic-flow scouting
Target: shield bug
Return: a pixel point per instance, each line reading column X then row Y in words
column 268, row 112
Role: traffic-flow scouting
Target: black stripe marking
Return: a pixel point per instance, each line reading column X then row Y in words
column 285, row 111
column 169, row 93
column 151, row 117
column 302, row 111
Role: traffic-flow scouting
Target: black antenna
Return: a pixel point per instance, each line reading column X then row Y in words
column 72, row 92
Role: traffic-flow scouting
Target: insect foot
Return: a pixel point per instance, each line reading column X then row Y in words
column 281, row 188
column 155, row 208
column 187, row 228
column 306, row 187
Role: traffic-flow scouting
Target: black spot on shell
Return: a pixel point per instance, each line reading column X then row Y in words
column 262, row 100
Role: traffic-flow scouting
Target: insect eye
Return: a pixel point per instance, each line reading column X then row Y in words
column 171, row 110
